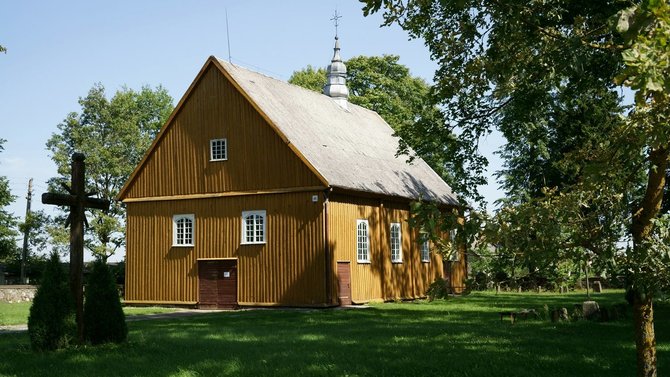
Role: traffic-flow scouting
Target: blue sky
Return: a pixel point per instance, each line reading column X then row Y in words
column 56, row 51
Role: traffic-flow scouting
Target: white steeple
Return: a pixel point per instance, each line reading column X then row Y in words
column 336, row 87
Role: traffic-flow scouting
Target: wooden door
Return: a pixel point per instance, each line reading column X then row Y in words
column 218, row 284
column 344, row 283
column 227, row 285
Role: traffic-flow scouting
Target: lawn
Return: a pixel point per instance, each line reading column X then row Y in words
column 459, row 337
column 17, row 313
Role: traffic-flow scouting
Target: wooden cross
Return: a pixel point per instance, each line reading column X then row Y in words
column 78, row 200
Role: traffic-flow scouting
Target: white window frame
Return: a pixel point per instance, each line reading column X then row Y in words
column 425, row 250
column 362, row 245
column 176, row 241
column 212, row 144
column 257, row 238
column 396, row 242
column 453, row 257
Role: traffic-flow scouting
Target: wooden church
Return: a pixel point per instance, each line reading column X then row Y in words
column 258, row 192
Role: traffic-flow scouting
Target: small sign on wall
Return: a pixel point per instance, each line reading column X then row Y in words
column 226, row 274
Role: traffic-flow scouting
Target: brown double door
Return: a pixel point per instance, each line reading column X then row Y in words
column 218, row 283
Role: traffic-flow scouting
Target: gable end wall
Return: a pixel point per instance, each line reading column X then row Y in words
column 258, row 159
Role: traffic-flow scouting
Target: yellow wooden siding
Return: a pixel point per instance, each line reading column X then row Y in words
column 459, row 270
column 379, row 279
column 288, row 270
column 257, row 157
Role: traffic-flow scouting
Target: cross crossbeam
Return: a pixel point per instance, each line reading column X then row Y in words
column 78, row 200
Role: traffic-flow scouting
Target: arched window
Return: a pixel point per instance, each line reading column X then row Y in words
column 253, row 227
column 182, row 230
column 362, row 241
column 396, row 243
column 454, row 256
column 425, row 250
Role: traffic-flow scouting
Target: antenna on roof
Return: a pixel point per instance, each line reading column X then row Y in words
column 336, row 20
column 228, row 37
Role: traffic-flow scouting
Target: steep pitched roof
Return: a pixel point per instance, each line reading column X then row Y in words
column 352, row 149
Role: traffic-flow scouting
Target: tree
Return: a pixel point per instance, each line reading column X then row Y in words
column 497, row 56
column 7, row 221
column 35, row 224
column 309, row 78
column 113, row 134
column 51, row 322
column 381, row 84
column 104, row 320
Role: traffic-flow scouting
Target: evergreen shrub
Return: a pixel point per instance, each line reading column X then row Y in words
column 104, row 320
column 51, row 323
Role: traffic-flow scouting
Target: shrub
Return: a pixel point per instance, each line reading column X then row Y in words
column 438, row 289
column 104, row 320
column 51, row 323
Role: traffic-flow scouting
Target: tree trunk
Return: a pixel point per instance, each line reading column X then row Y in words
column 641, row 228
column 645, row 339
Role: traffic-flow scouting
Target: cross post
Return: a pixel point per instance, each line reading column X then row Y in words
column 78, row 200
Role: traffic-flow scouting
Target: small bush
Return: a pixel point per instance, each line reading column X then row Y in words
column 51, row 323
column 104, row 320
column 438, row 289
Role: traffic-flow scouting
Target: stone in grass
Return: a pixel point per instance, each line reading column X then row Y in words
column 559, row 315
column 590, row 309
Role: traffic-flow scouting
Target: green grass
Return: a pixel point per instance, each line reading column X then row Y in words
column 17, row 313
column 458, row 337
column 14, row 313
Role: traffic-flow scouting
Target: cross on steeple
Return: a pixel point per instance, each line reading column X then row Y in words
column 335, row 19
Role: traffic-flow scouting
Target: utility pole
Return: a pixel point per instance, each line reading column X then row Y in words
column 26, row 233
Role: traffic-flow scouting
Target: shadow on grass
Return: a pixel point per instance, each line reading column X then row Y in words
column 459, row 337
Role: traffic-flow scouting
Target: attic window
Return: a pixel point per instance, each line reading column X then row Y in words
column 218, row 150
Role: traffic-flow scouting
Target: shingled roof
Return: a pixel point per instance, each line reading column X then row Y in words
column 352, row 149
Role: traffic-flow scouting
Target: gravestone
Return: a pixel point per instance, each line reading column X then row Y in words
column 590, row 309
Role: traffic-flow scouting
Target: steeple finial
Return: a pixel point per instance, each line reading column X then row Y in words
column 336, row 88
column 336, row 18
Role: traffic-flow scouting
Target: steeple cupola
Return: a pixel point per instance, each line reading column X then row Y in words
column 336, row 87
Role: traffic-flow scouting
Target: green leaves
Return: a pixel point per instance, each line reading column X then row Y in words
column 646, row 32
column 7, row 221
column 310, row 78
column 114, row 134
